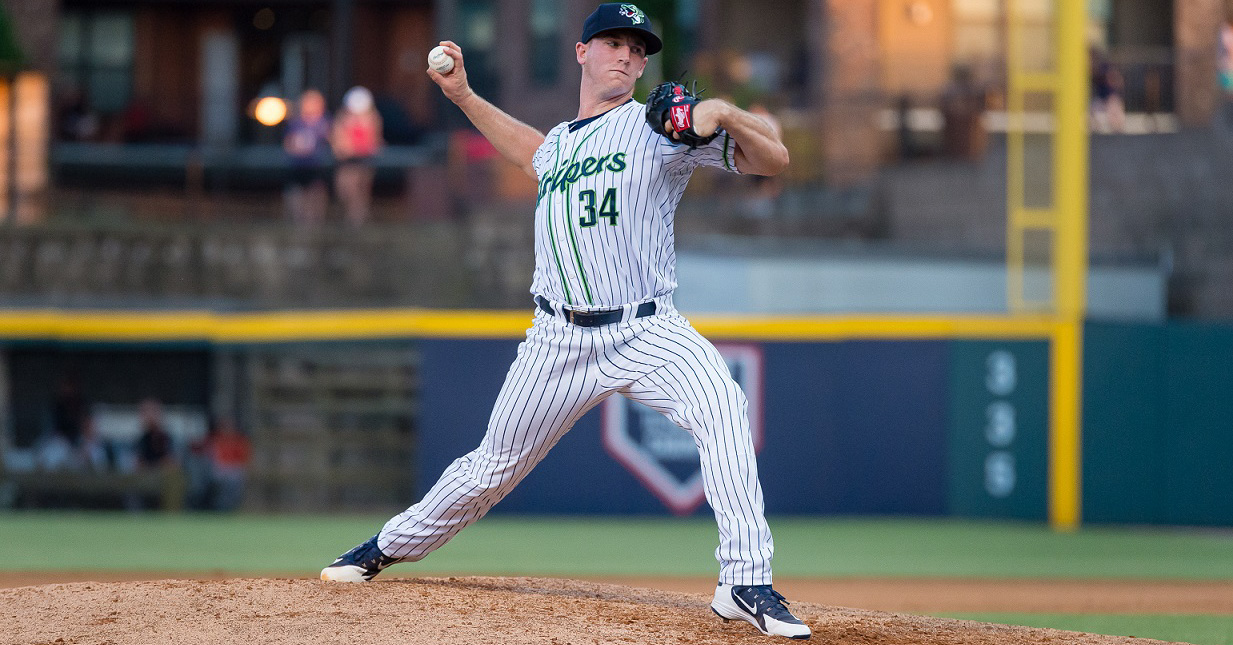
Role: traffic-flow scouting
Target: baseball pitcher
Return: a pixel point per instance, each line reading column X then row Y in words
column 604, row 322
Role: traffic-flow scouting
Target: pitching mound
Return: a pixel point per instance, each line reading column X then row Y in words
column 439, row 611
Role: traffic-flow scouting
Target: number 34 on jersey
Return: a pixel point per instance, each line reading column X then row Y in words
column 607, row 208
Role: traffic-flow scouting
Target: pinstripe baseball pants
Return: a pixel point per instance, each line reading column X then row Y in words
column 563, row 370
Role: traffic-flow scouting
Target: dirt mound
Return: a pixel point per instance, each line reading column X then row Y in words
column 442, row 611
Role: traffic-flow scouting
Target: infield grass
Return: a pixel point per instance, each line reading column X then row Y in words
column 502, row 545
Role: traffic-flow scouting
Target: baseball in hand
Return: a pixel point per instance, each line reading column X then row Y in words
column 440, row 61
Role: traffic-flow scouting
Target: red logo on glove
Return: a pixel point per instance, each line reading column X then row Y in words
column 680, row 117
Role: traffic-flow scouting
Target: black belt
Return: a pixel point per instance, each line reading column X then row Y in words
column 595, row 318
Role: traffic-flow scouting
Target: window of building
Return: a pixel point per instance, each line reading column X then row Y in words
column 96, row 57
column 1135, row 37
column 1140, row 47
column 478, row 37
column 978, row 31
column 545, row 41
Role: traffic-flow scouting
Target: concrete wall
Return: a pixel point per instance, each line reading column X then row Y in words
column 830, row 281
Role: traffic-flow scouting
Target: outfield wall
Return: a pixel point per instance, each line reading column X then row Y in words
column 842, row 427
column 849, row 416
column 931, row 427
column 1158, row 424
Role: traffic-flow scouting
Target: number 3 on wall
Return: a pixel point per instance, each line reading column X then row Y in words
column 1001, row 377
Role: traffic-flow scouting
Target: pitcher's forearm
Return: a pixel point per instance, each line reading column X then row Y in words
column 759, row 150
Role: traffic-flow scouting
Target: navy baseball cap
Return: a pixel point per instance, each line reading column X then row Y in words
column 621, row 15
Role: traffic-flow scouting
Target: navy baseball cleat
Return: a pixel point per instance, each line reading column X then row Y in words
column 359, row 564
column 761, row 606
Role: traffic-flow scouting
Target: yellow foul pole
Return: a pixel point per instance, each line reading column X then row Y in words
column 1070, row 168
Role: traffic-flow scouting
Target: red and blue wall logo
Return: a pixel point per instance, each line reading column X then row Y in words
column 661, row 454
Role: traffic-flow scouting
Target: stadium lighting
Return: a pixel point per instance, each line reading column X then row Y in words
column 270, row 110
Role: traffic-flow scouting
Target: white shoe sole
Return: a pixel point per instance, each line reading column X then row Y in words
column 345, row 573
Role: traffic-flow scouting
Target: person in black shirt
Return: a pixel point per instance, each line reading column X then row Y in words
column 154, row 448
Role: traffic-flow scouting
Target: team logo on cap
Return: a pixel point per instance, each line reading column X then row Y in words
column 634, row 14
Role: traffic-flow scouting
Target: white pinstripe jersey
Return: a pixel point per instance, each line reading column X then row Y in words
column 608, row 190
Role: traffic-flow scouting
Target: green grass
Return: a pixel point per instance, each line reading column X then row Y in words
column 1200, row 630
column 950, row 548
column 298, row 545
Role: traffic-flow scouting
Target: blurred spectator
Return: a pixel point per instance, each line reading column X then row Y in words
column 69, row 410
column 907, row 139
column 54, row 452
column 154, row 447
column 92, row 454
column 230, row 452
column 57, row 449
column 137, row 120
column 199, row 472
column 1108, row 112
column 154, row 452
column 76, row 121
column 217, row 468
column 963, row 109
column 306, row 143
column 87, row 453
column 356, row 139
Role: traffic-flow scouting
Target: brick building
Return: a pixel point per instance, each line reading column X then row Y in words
column 185, row 70
column 169, row 79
